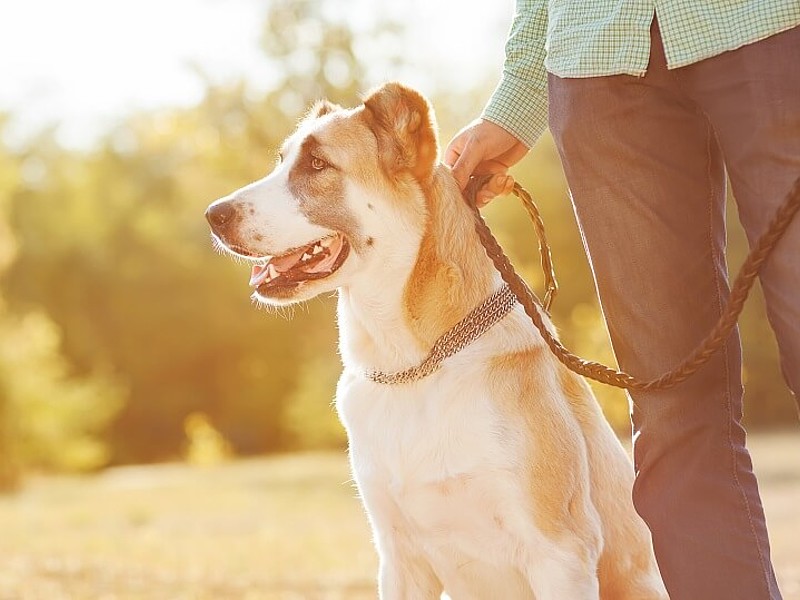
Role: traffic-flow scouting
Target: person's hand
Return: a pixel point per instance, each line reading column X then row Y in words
column 481, row 148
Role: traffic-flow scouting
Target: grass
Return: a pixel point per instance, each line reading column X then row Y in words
column 285, row 528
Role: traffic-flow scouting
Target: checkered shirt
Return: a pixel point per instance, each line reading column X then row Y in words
column 591, row 38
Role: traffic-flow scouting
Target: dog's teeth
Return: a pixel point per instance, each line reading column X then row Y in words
column 273, row 272
column 306, row 256
column 317, row 248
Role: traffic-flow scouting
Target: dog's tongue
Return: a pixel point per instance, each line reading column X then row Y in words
column 260, row 273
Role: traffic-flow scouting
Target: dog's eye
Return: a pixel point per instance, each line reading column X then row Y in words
column 318, row 164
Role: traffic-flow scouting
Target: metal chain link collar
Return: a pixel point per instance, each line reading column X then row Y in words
column 461, row 335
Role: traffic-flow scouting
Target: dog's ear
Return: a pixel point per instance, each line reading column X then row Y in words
column 403, row 122
column 322, row 108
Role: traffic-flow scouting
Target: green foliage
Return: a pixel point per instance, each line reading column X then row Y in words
column 125, row 267
column 205, row 446
column 50, row 419
column 325, row 65
column 310, row 417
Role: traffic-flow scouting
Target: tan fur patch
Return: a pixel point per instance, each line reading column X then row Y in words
column 450, row 277
column 558, row 469
column 626, row 553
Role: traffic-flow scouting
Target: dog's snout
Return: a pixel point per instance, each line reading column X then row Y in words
column 220, row 215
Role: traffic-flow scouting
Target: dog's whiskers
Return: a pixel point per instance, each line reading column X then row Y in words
column 285, row 312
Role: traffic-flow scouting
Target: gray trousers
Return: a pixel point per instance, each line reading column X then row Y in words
column 645, row 159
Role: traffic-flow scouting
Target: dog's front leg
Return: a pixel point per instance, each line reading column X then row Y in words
column 405, row 572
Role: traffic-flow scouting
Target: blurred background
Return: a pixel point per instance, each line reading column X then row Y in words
column 130, row 353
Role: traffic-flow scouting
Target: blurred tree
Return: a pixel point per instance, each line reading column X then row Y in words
column 54, row 421
column 113, row 245
column 313, row 47
column 49, row 419
column 310, row 419
column 205, row 446
column 9, row 180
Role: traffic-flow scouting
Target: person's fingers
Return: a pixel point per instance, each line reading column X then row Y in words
column 483, row 147
column 483, row 198
column 467, row 160
column 498, row 185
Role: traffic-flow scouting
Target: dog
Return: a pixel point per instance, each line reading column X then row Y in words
column 491, row 473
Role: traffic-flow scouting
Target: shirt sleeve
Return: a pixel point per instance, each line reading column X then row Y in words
column 519, row 102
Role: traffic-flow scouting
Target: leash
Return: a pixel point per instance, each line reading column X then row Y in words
column 600, row 372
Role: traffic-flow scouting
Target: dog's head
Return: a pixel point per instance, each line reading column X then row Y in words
column 347, row 186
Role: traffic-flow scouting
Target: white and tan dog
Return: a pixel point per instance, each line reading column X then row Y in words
column 496, row 476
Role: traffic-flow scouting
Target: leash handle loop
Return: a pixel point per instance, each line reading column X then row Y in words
column 545, row 256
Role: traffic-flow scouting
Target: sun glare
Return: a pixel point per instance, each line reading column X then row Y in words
column 84, row 63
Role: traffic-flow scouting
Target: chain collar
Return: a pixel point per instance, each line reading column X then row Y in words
column 461, row 335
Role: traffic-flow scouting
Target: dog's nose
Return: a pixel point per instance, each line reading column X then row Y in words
column 220, row 214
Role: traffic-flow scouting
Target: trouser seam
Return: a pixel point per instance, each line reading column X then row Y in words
column 726, row 356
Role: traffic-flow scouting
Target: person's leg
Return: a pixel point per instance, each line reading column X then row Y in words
column 752, row 98
column 648, row 187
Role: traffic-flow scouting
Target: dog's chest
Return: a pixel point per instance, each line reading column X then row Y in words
column 428, row 431
column 439, row 464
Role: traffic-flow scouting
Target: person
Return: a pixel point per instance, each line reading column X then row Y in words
column 649, row 104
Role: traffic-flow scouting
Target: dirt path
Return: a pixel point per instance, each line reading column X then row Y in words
column 776, row 459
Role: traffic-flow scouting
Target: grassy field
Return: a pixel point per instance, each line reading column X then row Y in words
column 284, row 528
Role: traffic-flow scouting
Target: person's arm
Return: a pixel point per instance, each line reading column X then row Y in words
column 519, row 103
column 516, row 114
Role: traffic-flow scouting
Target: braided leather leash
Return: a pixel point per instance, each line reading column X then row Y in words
column 597, row 371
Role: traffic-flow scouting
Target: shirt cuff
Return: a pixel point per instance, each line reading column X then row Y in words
column 519, row 108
